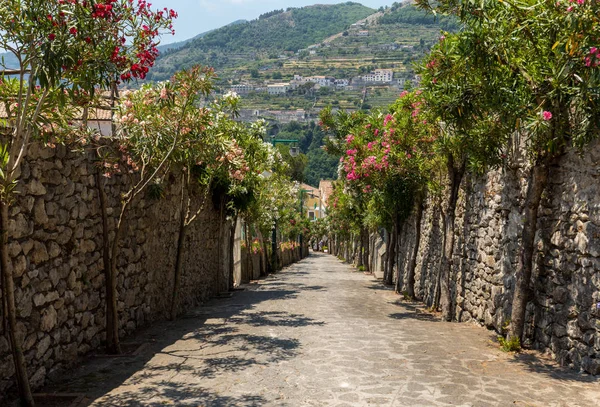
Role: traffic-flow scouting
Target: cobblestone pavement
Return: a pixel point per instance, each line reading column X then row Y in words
column 322, row 334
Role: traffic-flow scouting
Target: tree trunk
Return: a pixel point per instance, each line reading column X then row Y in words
column 455, row 175
column 11, row 312
column 249, row 265
column 230, row 282
column 178, row 262
column 410, row 273
column 106, row 255
column 113, row 344
column 359, row 254
column 391, row 255
column 366, row 247
column 220, row 266
column 399, row 275
column 538, row 179
column 264, row 270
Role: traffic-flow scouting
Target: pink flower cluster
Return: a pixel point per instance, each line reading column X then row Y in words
column 546, row 115
column 593, row 57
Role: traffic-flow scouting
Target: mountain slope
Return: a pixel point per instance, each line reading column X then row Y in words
column 176, row 45
column 272, row 33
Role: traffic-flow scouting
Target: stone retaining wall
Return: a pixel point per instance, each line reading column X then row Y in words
column 563, row 315
column 56, row 254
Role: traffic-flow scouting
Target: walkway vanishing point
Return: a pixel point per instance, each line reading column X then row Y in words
column 320, row 333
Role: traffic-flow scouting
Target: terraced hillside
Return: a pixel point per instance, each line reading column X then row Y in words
column 268, row 36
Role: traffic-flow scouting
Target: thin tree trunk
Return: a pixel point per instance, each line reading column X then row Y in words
column 538, row 179
column 11, row 312
column 455, row 175
column 359, row 255
column 366, row 247
column 438, row 280
column 230, row 282
column 179, row 256
column 249, row 265
column 410, row 273
column 265, row 268
column 109, row 258
column 113, row 344
column 106, row 264
column 399, row 275
column 391, row 259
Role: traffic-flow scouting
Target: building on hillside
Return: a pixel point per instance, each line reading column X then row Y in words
column 325, row 191
column 311, row 202
column 362, row 33
column 242, row 88
column 342, row 83
column 318, row 79
column 379, row 75
column 278, row 88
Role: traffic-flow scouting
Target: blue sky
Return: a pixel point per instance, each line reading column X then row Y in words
column 197, row 16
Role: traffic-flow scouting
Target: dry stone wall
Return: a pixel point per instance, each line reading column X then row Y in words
column 56, row 254
column 563, row 314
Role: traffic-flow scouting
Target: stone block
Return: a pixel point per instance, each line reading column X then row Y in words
column 49, row 319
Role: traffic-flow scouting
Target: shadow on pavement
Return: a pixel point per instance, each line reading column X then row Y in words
column 200, row 345
column 540, row 365
column 421, row 316
column 186, row 396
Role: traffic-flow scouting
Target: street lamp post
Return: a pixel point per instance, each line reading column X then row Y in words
column 274, row 259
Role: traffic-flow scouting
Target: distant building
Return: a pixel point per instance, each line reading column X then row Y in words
column 319, row 80
column 379, row 75
column 242, row 88
column 363, row 33
column 278, row 88
column 341, row 83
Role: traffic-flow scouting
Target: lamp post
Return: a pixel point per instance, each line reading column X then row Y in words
column 274, row 263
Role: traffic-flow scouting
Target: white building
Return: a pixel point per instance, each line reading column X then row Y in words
column 278, row 88
column 242, row 88
column 379, row 75
column 318, row 80
column 341, row 83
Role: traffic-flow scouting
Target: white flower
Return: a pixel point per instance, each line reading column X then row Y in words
column 231, row 96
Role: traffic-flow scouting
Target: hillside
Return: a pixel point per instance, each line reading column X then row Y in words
column 176, row 45
column 268, row 36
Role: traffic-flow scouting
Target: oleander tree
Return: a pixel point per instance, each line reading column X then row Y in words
column 469, row 104
column 386, row 166
column 62, row 48
column 547, row 54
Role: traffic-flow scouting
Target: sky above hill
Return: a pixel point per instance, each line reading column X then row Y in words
column 198, row 16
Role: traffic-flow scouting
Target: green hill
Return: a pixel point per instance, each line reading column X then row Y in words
column 270, row 34
column 176, row 45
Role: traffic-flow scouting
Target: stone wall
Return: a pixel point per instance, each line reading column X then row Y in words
column 563, row 315
column 56, row 254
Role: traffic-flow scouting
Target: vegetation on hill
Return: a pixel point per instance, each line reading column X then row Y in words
column 176, row 45
column 313, row 164
column 409, row 14
column 294, row 29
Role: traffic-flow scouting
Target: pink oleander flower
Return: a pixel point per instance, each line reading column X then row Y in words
column 547, row 115
column 349, row 138
column 404, row 93
column 387, row 119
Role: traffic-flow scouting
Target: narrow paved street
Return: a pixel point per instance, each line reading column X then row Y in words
column 322, row 334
